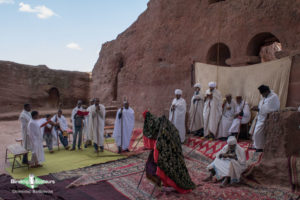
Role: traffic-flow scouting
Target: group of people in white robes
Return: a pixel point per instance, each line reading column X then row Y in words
column 212, row 117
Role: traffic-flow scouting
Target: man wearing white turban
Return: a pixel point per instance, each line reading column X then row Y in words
column 196, row 111
column 212, row 110
column 229, row 163
column 177, row 114
column 229, row 110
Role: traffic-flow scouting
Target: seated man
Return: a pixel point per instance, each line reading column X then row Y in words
column 229, row 163
column 61, row 128
column 229, row 109
column 241, row 117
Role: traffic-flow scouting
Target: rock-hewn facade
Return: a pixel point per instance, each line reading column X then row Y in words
column 40, row 86
column 154, row 55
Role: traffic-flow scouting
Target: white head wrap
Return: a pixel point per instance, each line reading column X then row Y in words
column 178, row 92
column 231, row 140
column 212, row 84
column 197, row 85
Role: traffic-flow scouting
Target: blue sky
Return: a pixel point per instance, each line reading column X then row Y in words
column 62, row 34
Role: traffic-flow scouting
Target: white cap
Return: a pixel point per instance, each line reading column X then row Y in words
column 212, row 84
column 178, row 92
column 197, row 85
column 231, row 140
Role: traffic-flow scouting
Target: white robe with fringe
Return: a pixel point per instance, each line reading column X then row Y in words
column 235, row 127
column 36, row 140
column 178, row 116
column 212, row 113
column 25, row 118
column 96, row 125
column 266, row 106
column 196, row 112
column 128, row 125
column 229, row 111
column 227, row 167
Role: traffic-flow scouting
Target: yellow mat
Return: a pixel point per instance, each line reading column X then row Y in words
column 64, row 160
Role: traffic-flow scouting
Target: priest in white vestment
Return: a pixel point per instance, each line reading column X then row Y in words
column 36, row 140
column 25, row 118
column 124, row 125
column 228, row 113
column 196, row 111
column 242, row 115
column 229, row 164
column 212, row 110
column 269, row 103
column 74, row 112
column 177, row 114
column 96, row 125
column 86, row 125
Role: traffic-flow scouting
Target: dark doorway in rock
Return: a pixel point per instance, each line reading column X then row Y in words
column 214, row 1
column 53, row 98
column 218, row 54
column 264, row 46
column 115, row 86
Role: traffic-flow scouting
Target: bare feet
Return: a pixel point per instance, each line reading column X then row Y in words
column 209, row 178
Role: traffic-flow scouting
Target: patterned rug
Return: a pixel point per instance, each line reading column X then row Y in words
column 128, row 186
column 210, row 148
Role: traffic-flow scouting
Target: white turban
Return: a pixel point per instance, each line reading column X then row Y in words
column 231, row 140
column 197, row 85
column 212, row 84
column 178, row 92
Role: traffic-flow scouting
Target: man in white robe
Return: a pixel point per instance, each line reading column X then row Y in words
column 124, row 125
column 229, row 164
column 269, row 103
column 96, row 125
column 228, row 113
column 36, row 140
column 177, row 114
column 86, row 125
column 74, row 112
column 212, row 110
column 61, row 127
column 25, row 118
column 242, row 115
column 196, row 111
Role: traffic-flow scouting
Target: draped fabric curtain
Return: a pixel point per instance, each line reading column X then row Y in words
column 245, row 80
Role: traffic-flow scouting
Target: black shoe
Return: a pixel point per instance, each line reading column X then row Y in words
column 119, row 150
column 259, row 150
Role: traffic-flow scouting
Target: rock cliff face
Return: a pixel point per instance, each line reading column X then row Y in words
column 40, row 86
column 282, row 140
column 154, row 55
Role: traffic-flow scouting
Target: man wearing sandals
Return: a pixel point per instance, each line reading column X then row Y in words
column 229, row 164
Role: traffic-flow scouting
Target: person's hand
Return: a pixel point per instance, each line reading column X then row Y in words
column 255, row 108
column 173, row 107
column 228, row 108
column 98, row 108
column 236, row 115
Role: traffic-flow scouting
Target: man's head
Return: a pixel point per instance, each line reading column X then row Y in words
column 178, row 93
column 27, row 107
column 79, row 103
column 48, row 117
column 34, row 115
column 239, row 99
column 231, row 141
column 126, row 104
column 197, row 87
column 59, row 113
column 212, row 86
column 97, row 101
column 264, row 90
column 228, row 98
column 92, row 101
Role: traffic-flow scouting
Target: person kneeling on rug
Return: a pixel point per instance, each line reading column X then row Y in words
column 229, row 163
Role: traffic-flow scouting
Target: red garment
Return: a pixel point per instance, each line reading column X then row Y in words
column 81, row 113
column 149, row 143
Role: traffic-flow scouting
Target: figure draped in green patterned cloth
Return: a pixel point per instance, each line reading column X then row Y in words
column 171, row 168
